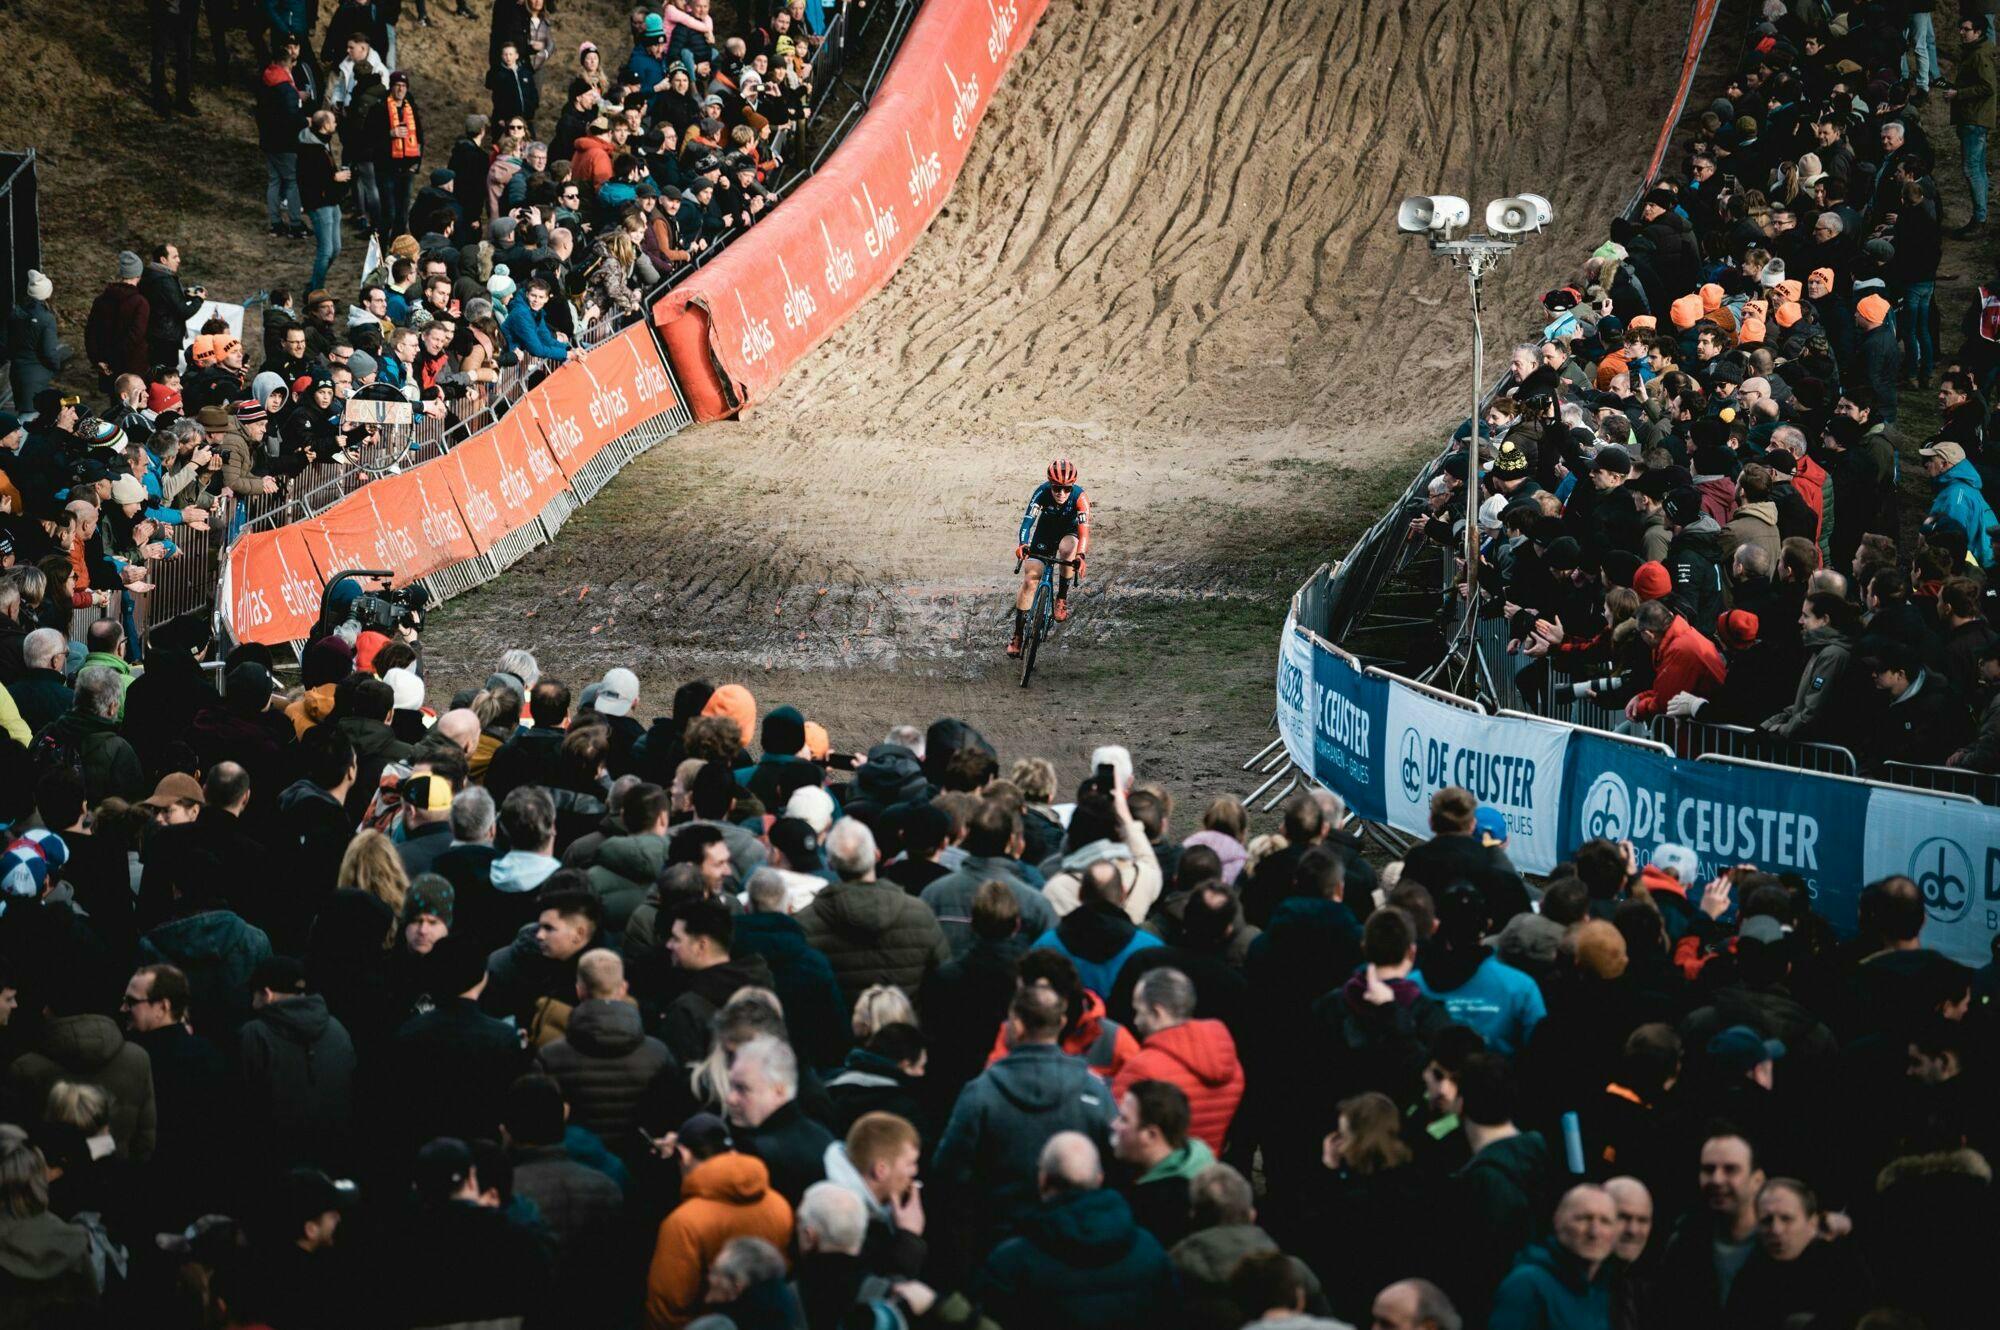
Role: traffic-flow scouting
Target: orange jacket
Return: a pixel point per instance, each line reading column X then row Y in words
column 728, row 1196
column 1105, row 1044
column 1683, row 662
column 1200, row 1057
column 590, row 163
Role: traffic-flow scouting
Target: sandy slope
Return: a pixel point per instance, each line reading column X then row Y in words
column 1171, row 254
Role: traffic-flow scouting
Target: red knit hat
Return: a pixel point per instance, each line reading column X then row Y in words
column 1652, row 581
column 162, row 397
column 1736, row 629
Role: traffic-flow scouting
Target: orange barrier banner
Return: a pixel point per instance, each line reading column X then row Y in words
column 1702, row 20
column 592, row 400
column 779, row 291
column 502, row 478
column 273, row 583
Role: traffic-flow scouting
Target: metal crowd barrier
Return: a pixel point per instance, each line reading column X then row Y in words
column 1697, row 739
column 1981, row 785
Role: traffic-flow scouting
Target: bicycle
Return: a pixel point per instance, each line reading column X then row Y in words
column 1041, row 614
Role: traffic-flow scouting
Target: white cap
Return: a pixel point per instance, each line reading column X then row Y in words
column 617, row 693
column 1678, row 860
column 810, row 803
column 1489, row 512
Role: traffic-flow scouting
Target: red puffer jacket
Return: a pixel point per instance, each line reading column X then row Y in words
column 1100, row 1041
column 1199, row 1057
column 1683, row 662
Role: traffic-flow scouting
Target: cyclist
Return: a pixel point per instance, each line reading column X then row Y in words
column 1056, row 525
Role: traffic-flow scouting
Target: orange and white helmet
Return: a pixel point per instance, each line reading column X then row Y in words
column 1062, row 471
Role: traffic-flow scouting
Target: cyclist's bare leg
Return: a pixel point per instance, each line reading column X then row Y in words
column 1031, row 573
column 1066, row 551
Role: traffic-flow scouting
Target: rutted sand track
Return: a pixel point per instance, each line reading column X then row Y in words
column 1171, row 253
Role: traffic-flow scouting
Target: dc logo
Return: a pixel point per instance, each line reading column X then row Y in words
column 1292, row 684
column 1944, row 875
column 1413, row 766
column 1607, row 808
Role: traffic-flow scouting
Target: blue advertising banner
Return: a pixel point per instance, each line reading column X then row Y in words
column 1951, row 850
column 1728, row 814
column 1330, row 716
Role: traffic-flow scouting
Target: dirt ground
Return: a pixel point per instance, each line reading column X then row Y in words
column 114, row 175
column 1171, row 255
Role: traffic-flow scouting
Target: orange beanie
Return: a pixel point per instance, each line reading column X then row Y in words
column 1643, row 321
column 818, row 743
column 1823, row 275
column 1687, row 311
column 1711, row 297
column 1871, row 310
column 1751, row 331
column 734, row 701
column 1788, row 314
column 1788, row 289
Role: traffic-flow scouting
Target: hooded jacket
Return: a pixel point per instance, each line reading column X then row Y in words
column 950, row 898
column 803, row 981
column 1829, row 654
column 298, row 1072
column 1754, row 524
column 1005, row 1115
column 1100, row 939
column 1199, row 1057
column 1960, row 496
column 621, row 873
column 1206, row 1259
column 1080, row 1262
column 723, row 1197
column 1104, row 1044
column 218, row 951
column 874, row 933
column 1695, row 561
column 685, row 1025
column 91, row 1049
column 1550, row 1288
column 1138, row 869
column 47, row 1272
column 604, row 1062
column 110, row 765
column 1501, row 1201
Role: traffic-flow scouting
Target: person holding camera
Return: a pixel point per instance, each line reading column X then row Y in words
column 169, row 305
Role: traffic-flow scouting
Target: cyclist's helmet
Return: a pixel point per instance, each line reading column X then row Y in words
column 1062, row 471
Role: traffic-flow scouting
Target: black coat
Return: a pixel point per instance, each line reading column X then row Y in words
column 170, row 306
column 792, row 1146
column 452, row 1066
column 1444, row 860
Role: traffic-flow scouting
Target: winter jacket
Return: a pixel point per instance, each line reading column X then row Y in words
column 685, row 1026
column 91, row 1049
column 110, row 766
column 867, row 1083
column 1976, row 81
column 580, row 1205
column 1227, row 848
column 1499, row 1202
column 1444, row 860
column 218, row 951
column 281, row 110
column 453, row 1066
column 528, row 333
column 1200, row 1057
column 41, row 697
column 723, row 1197
column 1683, row 662
column 1207, row 1258
column 991, row 1146
column 1099, row 939
column 1551, row 1289
column 1695, row 561
column 115, row 334
column 873, row 933
column 297, row 1064
column 1754, row 524
column 804, row 982
column 623, row 871
column 1104, row 1045
column 1807, row 717
column 169, row 306
column 48, row 1273
column 35, row 354
column 792, row 1146
column 1960, row 497
column 605, row 1062
column 1876, row 360
column 1138, row 869
column 1922, row 727
column 1080, row 1263
column 1159, row 1196
column 1500, row 1002
column 950, row 898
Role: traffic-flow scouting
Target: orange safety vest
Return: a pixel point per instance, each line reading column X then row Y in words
column 406, row 148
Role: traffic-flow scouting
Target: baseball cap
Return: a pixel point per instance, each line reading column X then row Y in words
column 705, row 1134
column 1490, row 824
column 176, row 787
column 1944, row 450
column 1683, row 506
column 442, row 1166
column 305, row 1194
column 430, row 794
column 795, row 838
column 617, row 693
column 1761, row 928
column 1739, row 1049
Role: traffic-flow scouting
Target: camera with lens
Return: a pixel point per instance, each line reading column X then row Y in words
column 386, row 611
column 1581, row 691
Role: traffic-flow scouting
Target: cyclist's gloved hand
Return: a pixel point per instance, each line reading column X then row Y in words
column 1079, row 567
column 1020, row 553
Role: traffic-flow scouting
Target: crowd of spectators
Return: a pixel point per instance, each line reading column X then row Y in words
column 503, row 246
column 1689, row 495
column 356, row 1003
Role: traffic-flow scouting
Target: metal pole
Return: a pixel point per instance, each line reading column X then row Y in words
column 1472, row 451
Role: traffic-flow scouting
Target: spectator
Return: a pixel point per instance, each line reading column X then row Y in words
column 1196, row 1056
column 993, row 846
column 1099, row 936
column 1565, row 1279
column 1081, row 1260
column 298, row 1067
column 114, row 338
column 35, row 356
column 724, row 1195
column 605, row 1061
column 871, row 932
column 1224, row 1231
column 1150, row 1137
column 766, row 1120
column 1959, row 497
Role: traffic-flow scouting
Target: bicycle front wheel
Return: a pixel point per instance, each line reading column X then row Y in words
column 1038, row 626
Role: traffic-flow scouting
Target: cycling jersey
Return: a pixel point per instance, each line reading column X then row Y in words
column 1046, row 522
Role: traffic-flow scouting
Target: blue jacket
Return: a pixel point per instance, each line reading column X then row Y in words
column 804, row 981
column 1547, row 1290
column 528, row 332
column 647, row 70
column 1960, row 497
column 1100, row 940
column 1081, row 1261
column 1502, row 1003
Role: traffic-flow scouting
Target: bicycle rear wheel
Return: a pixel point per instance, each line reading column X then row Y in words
column 1038, row 619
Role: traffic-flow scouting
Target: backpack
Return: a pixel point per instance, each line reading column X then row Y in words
column 54, row 751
